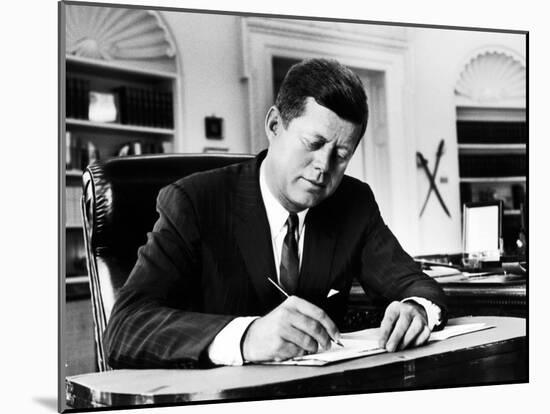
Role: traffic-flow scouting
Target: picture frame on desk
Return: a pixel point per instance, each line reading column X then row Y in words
column 189, row 119
column 482, row 233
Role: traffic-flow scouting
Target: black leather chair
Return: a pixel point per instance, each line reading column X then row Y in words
column 119, row 208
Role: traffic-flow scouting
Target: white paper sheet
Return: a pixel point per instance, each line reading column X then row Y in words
column 365, row 342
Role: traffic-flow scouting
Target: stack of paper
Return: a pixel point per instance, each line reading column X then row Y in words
column 365, row 342
column 445, row 273
column 455, row 330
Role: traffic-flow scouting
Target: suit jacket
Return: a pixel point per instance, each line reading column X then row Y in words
column 208, row 257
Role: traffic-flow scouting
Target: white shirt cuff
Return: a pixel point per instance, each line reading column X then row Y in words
column 433, row 312
column 225, row 349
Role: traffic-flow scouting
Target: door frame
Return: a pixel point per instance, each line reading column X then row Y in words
column 383, row 50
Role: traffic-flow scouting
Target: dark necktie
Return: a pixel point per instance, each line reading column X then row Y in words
column 290, row 263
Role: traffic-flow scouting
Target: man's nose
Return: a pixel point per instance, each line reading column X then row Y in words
column 323, row 158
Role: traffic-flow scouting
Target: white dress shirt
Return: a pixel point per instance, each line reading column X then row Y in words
column 225, row 349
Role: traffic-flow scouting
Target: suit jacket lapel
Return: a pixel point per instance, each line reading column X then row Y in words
column 253, row 235
column 318, row 253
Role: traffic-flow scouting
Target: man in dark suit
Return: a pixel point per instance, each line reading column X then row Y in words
column 200, row 291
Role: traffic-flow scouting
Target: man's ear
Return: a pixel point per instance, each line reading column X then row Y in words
column 273, row 123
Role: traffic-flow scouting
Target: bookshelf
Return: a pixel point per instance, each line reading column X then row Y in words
column 492, row 151
column 141, row 120
column 120, row 81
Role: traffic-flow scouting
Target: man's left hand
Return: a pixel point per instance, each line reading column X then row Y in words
column 404, row 324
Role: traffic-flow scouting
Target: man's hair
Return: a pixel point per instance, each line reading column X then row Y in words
column 331, row 84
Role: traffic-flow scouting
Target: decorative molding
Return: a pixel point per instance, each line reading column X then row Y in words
column 366, row 35
column 108, row 33
column 496, row 49
column 493, row 77
column 490, row 114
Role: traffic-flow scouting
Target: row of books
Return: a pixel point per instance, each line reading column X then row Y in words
column 473, row 132
column 512, row 196
column 78, row 95
column 80, row 151
column 73, row 194
column 510, row 165
column 145, row 107
column 139, row 106
column 75, row 253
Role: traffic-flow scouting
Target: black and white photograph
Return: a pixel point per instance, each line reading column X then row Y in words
column 274, row 206
column 268, row 207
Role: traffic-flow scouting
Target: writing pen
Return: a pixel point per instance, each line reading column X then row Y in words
column 336, row 341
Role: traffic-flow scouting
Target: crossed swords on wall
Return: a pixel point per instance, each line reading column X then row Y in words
column 422, row 162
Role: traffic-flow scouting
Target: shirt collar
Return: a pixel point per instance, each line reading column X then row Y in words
column 276, row 213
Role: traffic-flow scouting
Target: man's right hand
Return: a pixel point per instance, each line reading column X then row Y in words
column 293, row 328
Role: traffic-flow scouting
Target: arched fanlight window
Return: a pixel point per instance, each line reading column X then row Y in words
column 116, row 33
column 492, row 78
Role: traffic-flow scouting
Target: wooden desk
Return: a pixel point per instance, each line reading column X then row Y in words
column 497, row 355
column 464, row 298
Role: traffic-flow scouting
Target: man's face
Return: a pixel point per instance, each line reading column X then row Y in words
column 307, row 160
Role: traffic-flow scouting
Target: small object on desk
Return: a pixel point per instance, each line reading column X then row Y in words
column 481, row 233
column 515, row 267
column 443, row 271
column 494, row 277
